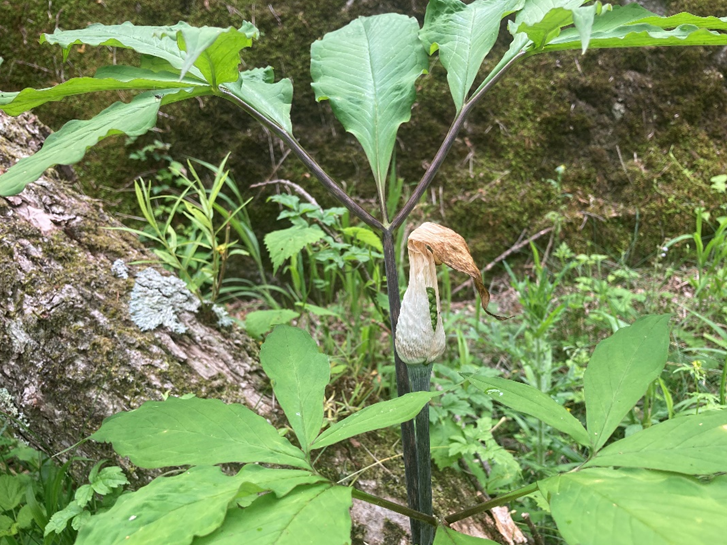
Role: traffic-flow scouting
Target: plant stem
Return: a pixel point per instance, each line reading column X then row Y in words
column 495, row 502
column 723, row 383
column 381, row 502
column 408, row 435
column 308, row 161
column 447, row 143
column 420, row 376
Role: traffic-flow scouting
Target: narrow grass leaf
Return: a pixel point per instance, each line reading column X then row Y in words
column 695, row 445
column 620, row 371
column 526, row 399
column 299, row 374
column 196, row 432
column 375, row 417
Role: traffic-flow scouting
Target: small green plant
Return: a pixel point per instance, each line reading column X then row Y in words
column 368, row 70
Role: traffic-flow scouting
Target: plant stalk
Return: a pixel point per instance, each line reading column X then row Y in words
column 391, row 506
column 308, row 161
column 494, row 502
column 447, row 143
column 420, row 376
column 408, row 434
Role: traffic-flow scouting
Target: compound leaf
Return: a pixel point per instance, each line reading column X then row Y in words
column 286, row 243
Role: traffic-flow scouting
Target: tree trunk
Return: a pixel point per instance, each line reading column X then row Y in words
column 70, row 354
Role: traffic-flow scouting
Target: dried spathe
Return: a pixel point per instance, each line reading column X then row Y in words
column 417, row 341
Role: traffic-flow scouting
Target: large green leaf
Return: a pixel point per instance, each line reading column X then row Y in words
column 529, row 400
column 196, row 432
column 367, row 71
column 375, row 417
column 167, row 510
column 299, row 374
column 447, row 536
column 637, row 507
column 620, row 371
column 286, row 243
column 110, row 78
column 309, row 515
column 278, row 481
column 696, row 445
column 633, row 26
column 12, row 491
column 463, row 34
column 259, row 322
column 257, row 88
column 214, row 51
column 207, row 52
column 69, row 144
column 554, row 20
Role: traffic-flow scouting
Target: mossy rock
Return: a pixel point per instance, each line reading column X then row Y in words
column 640, row 132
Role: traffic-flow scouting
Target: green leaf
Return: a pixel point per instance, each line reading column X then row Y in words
column 309, row 515
column 108, row 479
column 620, row 371
column 167, row 510
column 367, row 70
column 214, row 51
column 286, row 243
column 278, row 481
column 549, row 27
column 111, row 78
column 529, row 400
column 196, row 432
column 207, row 52
column 375, row 417
column 12, row 491
column 367, row 236
column 69, row 145
column 83, row 494
column 299, row 374
column 157, row 41
column 257, row 89
column 694, row 444
column 59, row 520
column 25, row 517
column 636, row 507
column 259, row 322
column 447, row 536
column 464, row 34
column 633, row 26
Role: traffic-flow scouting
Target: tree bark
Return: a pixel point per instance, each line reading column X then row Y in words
column 70, row 354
